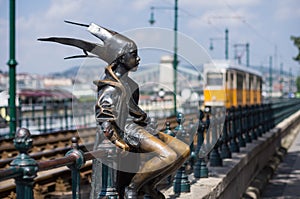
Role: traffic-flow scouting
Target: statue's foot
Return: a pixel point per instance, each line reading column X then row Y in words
column 130, row 193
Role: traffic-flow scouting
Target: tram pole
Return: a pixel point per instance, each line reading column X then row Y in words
column 248, row 55
column 270, row 77
column 226, row 44
column 12, row 63
column 175, row 57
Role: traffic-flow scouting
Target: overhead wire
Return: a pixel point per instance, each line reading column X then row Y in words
column 236, row 16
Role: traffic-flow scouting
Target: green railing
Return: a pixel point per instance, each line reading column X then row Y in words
column 49, row 116
column 239, row 127
column 24, row 169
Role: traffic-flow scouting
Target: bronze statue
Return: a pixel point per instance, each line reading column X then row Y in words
column 120, row 118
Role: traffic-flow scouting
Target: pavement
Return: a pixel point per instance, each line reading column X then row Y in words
column 285, row 183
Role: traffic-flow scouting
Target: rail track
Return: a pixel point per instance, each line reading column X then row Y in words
column 56, row 183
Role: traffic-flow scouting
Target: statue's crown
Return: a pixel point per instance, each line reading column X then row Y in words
column 112, row 47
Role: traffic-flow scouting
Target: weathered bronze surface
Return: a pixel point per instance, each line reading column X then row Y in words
column 122, row 121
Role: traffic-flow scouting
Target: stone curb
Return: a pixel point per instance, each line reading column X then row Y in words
column 231, row 180
column 261, row 180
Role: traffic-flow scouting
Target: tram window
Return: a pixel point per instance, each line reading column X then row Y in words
column 240, row 80
column 215, row 79
column 251, row 82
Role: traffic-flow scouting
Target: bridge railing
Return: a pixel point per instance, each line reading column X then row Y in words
column 49, row 116
column 24, row 168
column 239, row 126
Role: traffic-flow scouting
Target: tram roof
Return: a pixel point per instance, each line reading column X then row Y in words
column 229, row 64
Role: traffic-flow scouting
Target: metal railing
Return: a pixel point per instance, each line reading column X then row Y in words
column 48, row 117
column 24, row 168
column 232, row 130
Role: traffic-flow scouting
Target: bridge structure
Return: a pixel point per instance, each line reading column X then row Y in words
column 247, row 143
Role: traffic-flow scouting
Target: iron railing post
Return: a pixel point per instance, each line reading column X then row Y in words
column 214, row 156
column 181, row 182
column 108, row 189
column 246, row 120
column 75, row 172
column 233, row 144
column 200, row 169
column 28, row 166
column 239, row 126
column 225, row 151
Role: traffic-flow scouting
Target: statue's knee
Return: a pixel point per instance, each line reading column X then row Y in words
column 186, row 151
column 169, row 156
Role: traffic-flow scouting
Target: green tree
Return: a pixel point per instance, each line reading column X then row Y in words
column 298, row 83
column 297, row 44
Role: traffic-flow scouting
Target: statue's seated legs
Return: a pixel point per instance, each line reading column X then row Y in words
column 170, row 154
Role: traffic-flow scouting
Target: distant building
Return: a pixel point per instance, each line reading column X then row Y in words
column 32, row 96
column 161, row 76
column 25, row 80
column 57, row 82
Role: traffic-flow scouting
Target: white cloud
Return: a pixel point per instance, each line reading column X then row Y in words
column 63, row 8
column 142, row 5
column 220, row 18
column 288, row 9
column 202, row 21
column 219, row 3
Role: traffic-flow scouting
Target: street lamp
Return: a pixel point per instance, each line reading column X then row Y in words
column 211, row 47
column 270, row 77
column 175, row 61
column 12, row 63
column 238, row 57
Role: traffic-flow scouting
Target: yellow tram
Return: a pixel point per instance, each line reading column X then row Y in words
column 228, row 84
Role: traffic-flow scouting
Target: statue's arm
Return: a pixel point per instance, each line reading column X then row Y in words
column 111, row 133
column 139, row 115
column 106, row 115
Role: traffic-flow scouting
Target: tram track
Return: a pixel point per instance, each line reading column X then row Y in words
column 55, row 145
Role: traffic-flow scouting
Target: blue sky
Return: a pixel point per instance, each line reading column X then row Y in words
column 266, row 25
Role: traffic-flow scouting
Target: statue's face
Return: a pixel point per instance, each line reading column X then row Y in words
column 131, row 60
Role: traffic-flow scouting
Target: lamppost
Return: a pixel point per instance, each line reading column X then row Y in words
column 270, row 77
column 12, row 63
column 211, row 47
column 175, row 61
column 238, row 57
column 281, row 79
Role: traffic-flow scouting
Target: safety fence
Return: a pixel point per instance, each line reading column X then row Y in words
column 49, row 116
column 218, row 134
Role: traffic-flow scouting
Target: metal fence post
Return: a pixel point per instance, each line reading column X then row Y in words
column 19, row 115
column 168, row 130
column 108, row 190
column 66, row 114
column 28, row 166
column 257, row 121
column 75, row 168
column 192, row 130
column 200, row 169
column 233, row 144
column 252, row 123
column 214, row 156
column 239, row 127
column 265, row 118
column 225, row 152
column 181, row 182
column 45, row 115
column 246, row 121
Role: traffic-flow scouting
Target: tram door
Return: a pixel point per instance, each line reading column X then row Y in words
column 239, row 88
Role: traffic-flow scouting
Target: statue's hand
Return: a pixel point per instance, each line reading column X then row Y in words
column 121, row 144
column 108, row 131
column 142, row 120
column 111, row 134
